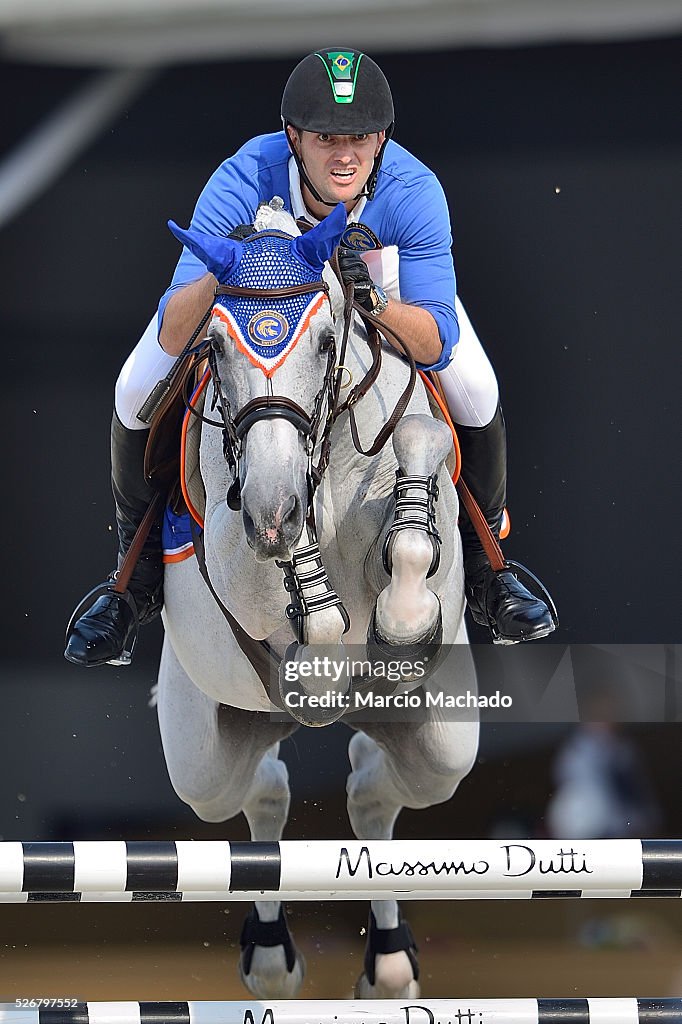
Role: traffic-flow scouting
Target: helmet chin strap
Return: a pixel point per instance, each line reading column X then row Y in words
column 370, row 184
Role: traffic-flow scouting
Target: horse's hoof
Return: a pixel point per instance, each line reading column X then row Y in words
column 417, row 658
column 269, row 977
column 270, row 965
column 391, row 966
column 392, row 981
column 318, row 701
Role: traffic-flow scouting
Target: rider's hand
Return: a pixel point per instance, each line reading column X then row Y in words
column 354, row 269
column 241, row 232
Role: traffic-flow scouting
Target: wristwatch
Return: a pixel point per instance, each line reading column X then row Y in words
column 379, row 300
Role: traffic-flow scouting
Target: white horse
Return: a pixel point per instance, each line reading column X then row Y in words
column 220, row 741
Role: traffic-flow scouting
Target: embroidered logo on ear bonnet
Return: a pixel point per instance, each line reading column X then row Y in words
column 268, row 328
column 266, row 335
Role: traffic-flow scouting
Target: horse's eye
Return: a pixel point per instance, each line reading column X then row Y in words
column 216, row 343
column 326, row 341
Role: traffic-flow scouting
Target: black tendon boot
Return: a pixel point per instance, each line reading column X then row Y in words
column 107, row 632
column 496, row 599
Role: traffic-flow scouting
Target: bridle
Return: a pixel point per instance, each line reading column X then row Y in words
column 310, row 426
column 271, row 406
column 235, row 426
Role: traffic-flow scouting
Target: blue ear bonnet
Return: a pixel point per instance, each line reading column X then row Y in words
column 266, row 329
column 269, row 327
column 270, row 260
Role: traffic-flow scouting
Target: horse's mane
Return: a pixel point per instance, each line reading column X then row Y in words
column 269, row 219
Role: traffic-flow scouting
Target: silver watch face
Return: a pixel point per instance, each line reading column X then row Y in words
column 380, row 300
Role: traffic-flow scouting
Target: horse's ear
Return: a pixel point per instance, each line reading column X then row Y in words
column 219, row 255
column 317, row 245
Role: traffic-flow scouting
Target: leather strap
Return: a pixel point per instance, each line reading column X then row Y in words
column 259, row 652
column 478, row 521
column 389, row 940
column 266, row 934
column 272, row 293
column 480, row 524
column 134, row 551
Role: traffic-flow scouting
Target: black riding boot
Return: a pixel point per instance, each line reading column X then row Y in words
column 107, row 632
column 496, row 599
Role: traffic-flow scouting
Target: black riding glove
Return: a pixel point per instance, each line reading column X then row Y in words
column 354, row 270
column 241, row 232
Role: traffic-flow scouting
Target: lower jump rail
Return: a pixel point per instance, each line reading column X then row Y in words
column 422, row 1011
column 322, row 896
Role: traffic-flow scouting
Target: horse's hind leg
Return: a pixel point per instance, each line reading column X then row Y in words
column 221, row 761
column 398, row 766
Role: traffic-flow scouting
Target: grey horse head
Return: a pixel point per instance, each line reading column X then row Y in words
column 272, row 346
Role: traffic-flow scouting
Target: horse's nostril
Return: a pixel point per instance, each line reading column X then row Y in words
column 249, row 526
column 289, row 508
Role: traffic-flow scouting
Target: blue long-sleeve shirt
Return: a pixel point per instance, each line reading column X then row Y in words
column 408, row 216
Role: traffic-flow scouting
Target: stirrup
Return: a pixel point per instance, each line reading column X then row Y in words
column 536, row 588
column 88, row 601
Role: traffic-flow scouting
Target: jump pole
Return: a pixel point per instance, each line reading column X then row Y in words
column 343, row 869
column 389, row 1011
column 145, row 898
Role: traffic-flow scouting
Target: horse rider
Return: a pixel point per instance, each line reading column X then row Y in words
column 335, row 146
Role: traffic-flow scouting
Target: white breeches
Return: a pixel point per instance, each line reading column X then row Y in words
column 145, row 366
column 469, row 381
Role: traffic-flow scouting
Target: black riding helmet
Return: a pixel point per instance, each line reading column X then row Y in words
column 342, row 92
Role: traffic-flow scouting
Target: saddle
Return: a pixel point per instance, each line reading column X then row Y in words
column 163, row 455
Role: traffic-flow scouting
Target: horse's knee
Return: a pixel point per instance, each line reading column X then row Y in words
column 220, row 807
column 421, row 444
column 270, row 792
column 441, row 762
column 212, row 791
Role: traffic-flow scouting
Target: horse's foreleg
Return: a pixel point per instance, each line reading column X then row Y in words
column 270, row 965
column 407, row 611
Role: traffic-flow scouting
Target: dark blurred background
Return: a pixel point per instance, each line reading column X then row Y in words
column 561, row 164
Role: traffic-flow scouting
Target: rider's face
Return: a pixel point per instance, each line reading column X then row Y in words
column 338, row 165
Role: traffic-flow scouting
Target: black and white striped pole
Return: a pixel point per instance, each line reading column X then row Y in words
column 430, row 1011
column 331, row 869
